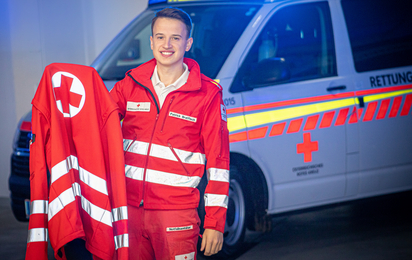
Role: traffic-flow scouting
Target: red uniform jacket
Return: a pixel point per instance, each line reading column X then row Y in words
column 77, row 139
column 166, row 149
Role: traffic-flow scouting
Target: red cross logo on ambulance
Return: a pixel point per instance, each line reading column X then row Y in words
column 69, row 93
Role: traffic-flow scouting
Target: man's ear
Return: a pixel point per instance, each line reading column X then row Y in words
column 189, row 43
column 151, row 42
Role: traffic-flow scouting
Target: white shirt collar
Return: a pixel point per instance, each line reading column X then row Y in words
column 161, row 90
column 175, row 85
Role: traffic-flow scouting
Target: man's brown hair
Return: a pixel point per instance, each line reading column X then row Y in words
column 174, row 13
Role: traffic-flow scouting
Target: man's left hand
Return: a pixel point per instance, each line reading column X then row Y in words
column 212, row 242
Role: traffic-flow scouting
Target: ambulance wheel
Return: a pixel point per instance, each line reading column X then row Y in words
column 236, row 218
column 236, row 214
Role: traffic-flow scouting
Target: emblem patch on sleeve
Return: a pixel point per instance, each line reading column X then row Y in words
column 138, row 106
column 223, row 112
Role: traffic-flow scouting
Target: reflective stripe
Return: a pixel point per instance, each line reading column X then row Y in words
column 119, row 213
column 172, row 179
column 64, row 199
column 39, row 207
column 294, row 112
column 97, row 213
column 121, row 241
column 134, row 173
column 93, row 181
column 376, row 97
column 64, row 167
column 135, row 146
column 163, row 152
column 216, row 200
column 215, row 174
column 164, row 178
column 76, row 189
column 37, row 235
column 68, row 196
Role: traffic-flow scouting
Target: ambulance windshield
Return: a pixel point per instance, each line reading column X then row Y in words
column 216, row 29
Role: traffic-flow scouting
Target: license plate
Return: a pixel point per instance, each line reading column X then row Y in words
column 27, row 207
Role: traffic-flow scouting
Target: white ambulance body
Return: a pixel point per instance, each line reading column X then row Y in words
column 318, row 97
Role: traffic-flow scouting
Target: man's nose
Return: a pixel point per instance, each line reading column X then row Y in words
column 167, row 43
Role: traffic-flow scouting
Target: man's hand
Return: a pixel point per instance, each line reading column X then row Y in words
column 212, row 242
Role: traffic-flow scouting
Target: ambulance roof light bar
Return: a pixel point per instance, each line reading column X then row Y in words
column 154, row 2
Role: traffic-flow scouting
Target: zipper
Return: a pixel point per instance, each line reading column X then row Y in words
column 178, row 158
column 151, row 138
column 167, row 111
column 147, row 159
column 150, row 92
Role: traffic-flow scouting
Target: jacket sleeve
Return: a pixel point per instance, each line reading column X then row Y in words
column 38, row 232
column 215, row 140
column 119, row 99
column 117, row 184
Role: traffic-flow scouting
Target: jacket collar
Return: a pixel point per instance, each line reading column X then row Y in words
column 144, row 72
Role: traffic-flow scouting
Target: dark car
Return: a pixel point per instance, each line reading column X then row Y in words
column 19, row 182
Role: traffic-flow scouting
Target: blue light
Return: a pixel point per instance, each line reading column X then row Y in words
column 152, row 2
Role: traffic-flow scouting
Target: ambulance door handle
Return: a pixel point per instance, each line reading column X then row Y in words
column 336, row 88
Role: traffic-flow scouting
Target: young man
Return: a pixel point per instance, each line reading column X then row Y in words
column 174, row 121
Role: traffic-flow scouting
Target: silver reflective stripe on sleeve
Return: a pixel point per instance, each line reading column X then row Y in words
column 76, row 189
column 68, row 196
column 135, row 146
column 172, row 179
column 93, row 181
column 96, row 212
column 215, row 174
column 121, row 241
column 119, row 213
column 216, row 200
column 64, row 167
column 39, row 207
column 37, row 235
column 134, row 173
column 64, row 199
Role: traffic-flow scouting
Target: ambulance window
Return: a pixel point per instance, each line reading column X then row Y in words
column 214, row 33
column 296, row 44
column 380, row 33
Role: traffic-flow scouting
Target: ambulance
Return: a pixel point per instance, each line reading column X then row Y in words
column 318, row 97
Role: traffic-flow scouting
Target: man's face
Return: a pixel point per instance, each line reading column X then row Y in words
column 169, row 42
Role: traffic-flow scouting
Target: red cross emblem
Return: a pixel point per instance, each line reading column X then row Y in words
column 307, row 147
column 65, row 96
column 69, row 93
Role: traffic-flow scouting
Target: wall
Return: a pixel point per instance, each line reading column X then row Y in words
column 35, row 33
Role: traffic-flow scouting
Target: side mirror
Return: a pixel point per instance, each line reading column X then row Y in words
column 131, row 52
column 268, row 72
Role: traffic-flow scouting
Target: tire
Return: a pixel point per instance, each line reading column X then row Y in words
column 236, row 223
column 236, row 219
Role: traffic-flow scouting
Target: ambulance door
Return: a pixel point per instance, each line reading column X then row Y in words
column 295, row 107
column 381, row 44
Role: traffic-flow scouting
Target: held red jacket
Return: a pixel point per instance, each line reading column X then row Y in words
column 166, row 149
column 77, row 138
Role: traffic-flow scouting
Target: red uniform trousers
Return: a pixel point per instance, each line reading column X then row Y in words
column 163, row 234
